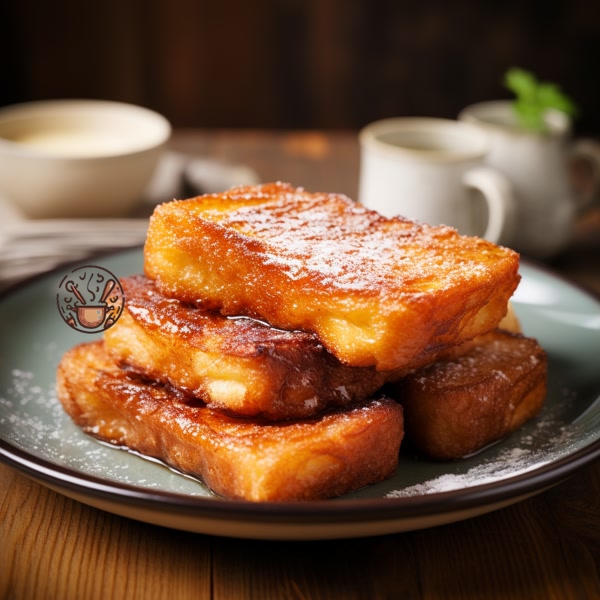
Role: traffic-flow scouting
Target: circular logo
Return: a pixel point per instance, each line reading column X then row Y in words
column 90, row 299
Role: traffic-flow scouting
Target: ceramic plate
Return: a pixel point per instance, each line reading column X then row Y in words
column 40, row 440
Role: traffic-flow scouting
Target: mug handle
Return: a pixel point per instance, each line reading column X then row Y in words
column 584, row 154
column 498, row 193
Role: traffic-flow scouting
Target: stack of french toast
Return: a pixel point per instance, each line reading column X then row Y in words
column 281, row 343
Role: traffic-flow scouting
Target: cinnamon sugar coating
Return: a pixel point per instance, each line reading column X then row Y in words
column 458, row 405
column 388, row 293
column 234, row 364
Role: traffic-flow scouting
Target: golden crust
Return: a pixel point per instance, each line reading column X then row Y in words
column 256, row 460
column 459, row 405
column 380, row 292
column 510, row 324
column 236, row 365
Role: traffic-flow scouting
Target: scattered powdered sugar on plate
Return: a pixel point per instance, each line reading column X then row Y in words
column 540, row 443
column 33, row 420
column 508, row 464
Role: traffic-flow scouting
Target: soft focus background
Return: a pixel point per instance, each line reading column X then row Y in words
column 297, row 63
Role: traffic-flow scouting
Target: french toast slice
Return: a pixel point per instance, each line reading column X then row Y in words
column 249, row 459
column 389, row 293
column 457, row 406
column 237, row 365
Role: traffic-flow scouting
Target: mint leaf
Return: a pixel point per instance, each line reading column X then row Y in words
column 529, row 115
column 534, row 98
column 551, row 96
column 522, row 83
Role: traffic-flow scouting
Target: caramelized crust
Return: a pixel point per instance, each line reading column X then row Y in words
column 238, row 365
column 256, row 460
column 380, row 292
column 457, row 406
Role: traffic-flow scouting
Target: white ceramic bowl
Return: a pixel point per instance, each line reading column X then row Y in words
column 78, row 158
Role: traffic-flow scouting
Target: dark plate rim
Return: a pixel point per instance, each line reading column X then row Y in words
column 332, row 510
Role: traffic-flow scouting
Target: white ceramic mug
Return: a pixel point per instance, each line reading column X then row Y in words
column 537, row 166
column 428, row 169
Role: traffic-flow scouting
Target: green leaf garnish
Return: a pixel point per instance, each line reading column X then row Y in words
column 534, row 98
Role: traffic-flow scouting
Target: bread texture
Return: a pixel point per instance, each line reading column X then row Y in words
column 378, row 292
column 459, row 405
column 237, row 365
column 250, row 459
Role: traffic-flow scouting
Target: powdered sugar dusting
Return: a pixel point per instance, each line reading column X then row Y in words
column 32, row 419
column 544, row 441
column 346, row 246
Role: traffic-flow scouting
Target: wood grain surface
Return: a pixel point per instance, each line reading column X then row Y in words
column 547, row 547
column 54, row 547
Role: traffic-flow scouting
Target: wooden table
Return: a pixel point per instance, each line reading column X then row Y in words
column 544, row 547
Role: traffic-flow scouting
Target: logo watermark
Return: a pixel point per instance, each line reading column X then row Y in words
column 90, row 299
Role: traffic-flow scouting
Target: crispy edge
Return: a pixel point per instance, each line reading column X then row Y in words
column 311, row 459
column 246, row 368
column 449, row 420
column 411, row 338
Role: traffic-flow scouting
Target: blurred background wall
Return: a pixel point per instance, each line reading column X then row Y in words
column 297, row 63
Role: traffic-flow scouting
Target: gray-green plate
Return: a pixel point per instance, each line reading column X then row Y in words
column 37, row 438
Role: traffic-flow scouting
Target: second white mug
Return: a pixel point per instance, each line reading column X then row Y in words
column 431, row 170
